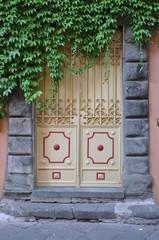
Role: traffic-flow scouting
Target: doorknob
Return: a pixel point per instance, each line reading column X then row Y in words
column 157, row 122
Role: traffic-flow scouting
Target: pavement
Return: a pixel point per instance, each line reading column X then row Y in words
column 13, row 228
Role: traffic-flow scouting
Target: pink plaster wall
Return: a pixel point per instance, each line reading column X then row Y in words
column 3, row 152
column 154, row 114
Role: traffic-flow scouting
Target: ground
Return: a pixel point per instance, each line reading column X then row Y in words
column 12, row 228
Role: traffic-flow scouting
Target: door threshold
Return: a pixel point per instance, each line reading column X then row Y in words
column 76, row 194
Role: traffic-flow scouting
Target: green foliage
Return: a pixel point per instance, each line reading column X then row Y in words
column 32, row 31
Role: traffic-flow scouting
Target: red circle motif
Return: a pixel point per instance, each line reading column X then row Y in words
column 100, row 147
column 56, row 147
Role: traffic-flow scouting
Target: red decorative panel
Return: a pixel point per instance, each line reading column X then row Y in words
column 56, row 175
column 56, row 147
column 100, row 147
column 100, row 176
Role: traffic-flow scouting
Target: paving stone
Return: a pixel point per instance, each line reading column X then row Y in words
column 20, row 126
column 136, row 127
column 7, row 231
column 63, row 235
column 82, row 227
column 141, row 230
column 20, row 145
column 27, row 234
column 131, row 52
column 49, row 230
column 154, row 236
column 82, row 238
column 129, row 236
column 103, row 232
column 137, row 146
column 136, row 89
column 20, row 164
column 136, row 108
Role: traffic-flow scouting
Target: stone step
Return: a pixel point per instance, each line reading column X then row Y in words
column 120, row 211
column 76, row 194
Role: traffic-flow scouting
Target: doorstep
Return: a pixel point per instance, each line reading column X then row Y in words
column 76, row 194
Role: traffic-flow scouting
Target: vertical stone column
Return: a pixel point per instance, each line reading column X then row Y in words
column 19, row 174
column 136, row 177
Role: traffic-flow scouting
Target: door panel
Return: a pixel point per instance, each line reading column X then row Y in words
column 56, row 154
column 78, row 142
column 101, row 156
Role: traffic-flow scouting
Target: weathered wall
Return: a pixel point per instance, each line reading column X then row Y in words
column 136, row 177
column 3, row 152
column 19, row 175
column 154, row 114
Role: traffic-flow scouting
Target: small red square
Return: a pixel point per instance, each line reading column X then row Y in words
column 56, row 175
column 100, row 176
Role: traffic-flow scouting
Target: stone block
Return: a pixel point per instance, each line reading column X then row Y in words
column 147, row 211
column 20, row 126
column 137, row 146
column 20, row 145
column 136, row 165
column 17, row 105
column 132, row 71
column 44, row 194
column 137, row 185
column 128, row 34
column 106, row 211
column 136, row 89
column 48, row 210
column 85, row 210
column 42, row 210
column 136, row 108
column 136, row 127
column 131, row 53
column 20, row 164
column 17, row 183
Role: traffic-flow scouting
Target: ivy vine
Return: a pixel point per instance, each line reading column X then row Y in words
column 32, row 31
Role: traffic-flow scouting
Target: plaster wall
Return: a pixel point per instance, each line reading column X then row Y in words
column 3, row 152
column 154, row 114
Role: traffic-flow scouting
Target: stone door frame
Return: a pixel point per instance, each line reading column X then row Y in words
column 20, row 177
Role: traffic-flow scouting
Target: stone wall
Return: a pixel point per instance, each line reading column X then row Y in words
column 136, row 178
column 19, row 174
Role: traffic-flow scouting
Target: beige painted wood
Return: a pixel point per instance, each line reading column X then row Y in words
column 78, row 143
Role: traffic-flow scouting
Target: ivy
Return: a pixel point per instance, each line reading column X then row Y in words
column 34, row 31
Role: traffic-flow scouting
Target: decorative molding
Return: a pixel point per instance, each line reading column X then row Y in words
column 100, row 176
column 44, row 138
column 88, row 156
column 56, row 175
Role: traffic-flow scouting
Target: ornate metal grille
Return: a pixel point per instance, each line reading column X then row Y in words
column 87, row 99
